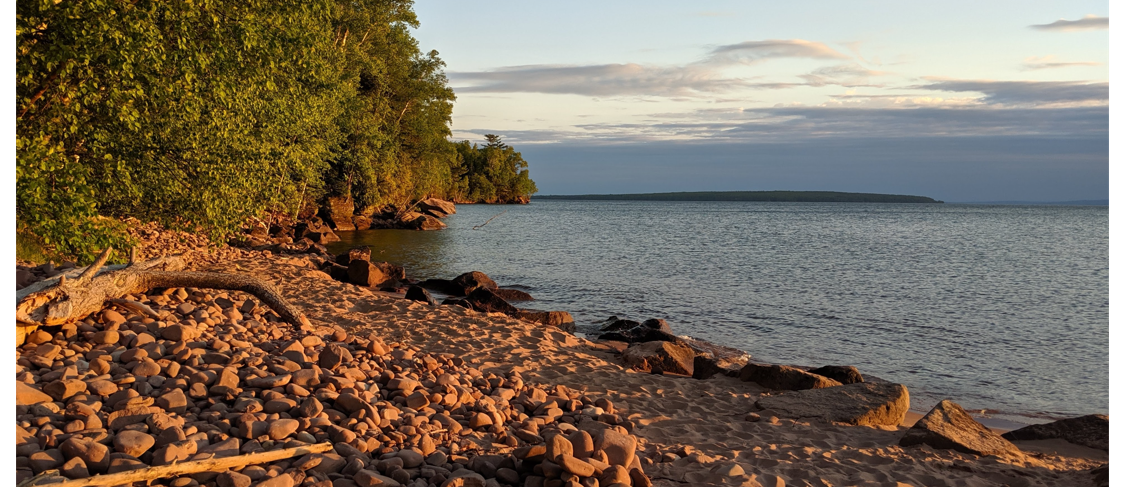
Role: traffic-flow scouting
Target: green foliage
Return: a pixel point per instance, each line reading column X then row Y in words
column 201, row 113
column 496, row 173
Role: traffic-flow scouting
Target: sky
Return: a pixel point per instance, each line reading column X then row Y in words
column 967, row 101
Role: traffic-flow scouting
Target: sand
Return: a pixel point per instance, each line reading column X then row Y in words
column 689, row 429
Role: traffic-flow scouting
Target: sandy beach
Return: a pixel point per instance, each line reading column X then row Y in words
column 688, row 431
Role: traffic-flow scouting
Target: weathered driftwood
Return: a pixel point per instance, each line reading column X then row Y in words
column 80, row 293
column 177, row 469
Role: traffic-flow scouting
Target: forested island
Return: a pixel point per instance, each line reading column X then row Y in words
column 204, row 114
column 777, row 196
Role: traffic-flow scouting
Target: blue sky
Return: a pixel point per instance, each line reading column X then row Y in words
column 986, row 101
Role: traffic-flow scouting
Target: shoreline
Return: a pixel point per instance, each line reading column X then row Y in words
column 688, row 431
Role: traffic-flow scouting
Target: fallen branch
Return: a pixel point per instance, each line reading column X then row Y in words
column 67, row 299
column 490, row 220
column 193, row 467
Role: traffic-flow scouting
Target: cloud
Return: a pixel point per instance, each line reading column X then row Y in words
column 1029, row 93
column 849, row 75
column 1088, row 22
column 702, row 77
column 792, row 124
column 1050, row 62
column 606, row 80
column 753, row 51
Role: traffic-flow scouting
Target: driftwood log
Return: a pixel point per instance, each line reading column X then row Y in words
column 175, row 470
column 79, row 293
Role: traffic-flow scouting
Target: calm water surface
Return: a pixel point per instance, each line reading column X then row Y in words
column 997, row 307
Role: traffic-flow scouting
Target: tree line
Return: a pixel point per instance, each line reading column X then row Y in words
column 201, row 113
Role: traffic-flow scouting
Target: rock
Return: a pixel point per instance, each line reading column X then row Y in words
column 361, row 222
column 232, row 479
column 332, row 356
column 416, row 293
column 48, row 351
column 512, row 294
column 444, row 286
column 95, row 455
column 356, row 253
column 338, row 212
column 63, row 389
column 280, row 480
column 1091, row 431
column 282, row 428
column 486, row 301
column 180, row 333
column 46, row 460
column 437, row 205
column 369, row 478
column 561, row 320
column 947, row 426
column 75, row 469
column 472, row 280
column 364, row 273
column 133, row 442
column 706, row 367
column 575, row 466
column 861, row 404
column 629, row 331
column 173, row 402
column 391, row 271
column 102, row 387
column 410, row 458
column 557, row 445
column 582, row 443
column 615, row 474
column 27, row 395
column 424, row 222
column 619, row 448
column 844, row 374
column 659, row 356
column 784, row 378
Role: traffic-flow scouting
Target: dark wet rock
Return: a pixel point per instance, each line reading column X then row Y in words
column 512, row 294
column 947, row 426
column 364, row 273
column 486, row 301
column 706, row 367
column 1091, row 431
column 473, row 280
column 844, row 374
column 356, row 253
column 629, row 331
column 861, row 404
column 416, row 293
column 443, row 286
column 784, row 378
column 659, row 357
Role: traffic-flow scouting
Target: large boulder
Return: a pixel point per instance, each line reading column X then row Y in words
column 861, row 404
column 437, row 207
column 338, row 212
column 316, row 231
column 559, row 319
column 949, row 427
column 443, row 286
column 427, row 222
column 364, row 273
column 486, row 301
column 784, row 378
column 706, row 366
column 472, row 280
column 1091, row 431
column 659, row 357
column 844, row 374
column 356, row 253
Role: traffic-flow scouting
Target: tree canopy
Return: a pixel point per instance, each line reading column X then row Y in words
column 204, row 112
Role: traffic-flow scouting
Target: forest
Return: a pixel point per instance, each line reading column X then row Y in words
column 203, row 113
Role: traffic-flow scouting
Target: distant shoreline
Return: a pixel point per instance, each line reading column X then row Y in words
column 773, row 196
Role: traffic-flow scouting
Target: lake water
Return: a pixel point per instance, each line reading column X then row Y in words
column 1001, row 308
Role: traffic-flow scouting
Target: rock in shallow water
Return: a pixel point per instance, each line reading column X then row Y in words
column 1090, row 431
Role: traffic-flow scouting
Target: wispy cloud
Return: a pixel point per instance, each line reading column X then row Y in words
column 1051, row 62
column 1088, row 22
column 754, row 51
column 702, row 77
column 606, row 80
column 848, row 75
column 1026, row 93
column 793, row 124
